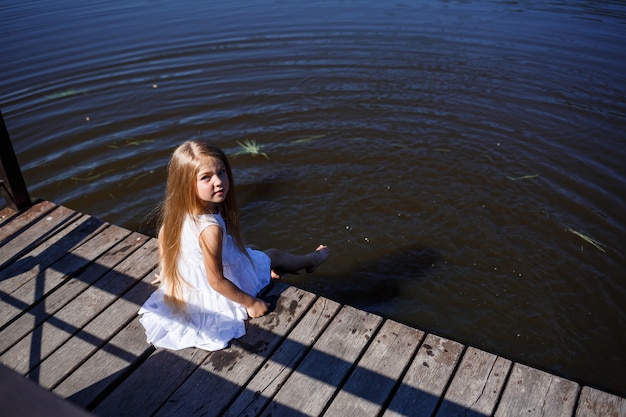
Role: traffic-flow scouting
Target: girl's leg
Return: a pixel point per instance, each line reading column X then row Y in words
column 284, row 262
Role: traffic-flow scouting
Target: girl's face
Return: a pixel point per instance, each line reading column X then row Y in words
column 212, row 183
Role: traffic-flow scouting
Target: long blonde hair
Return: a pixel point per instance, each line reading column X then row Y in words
column 181, row 200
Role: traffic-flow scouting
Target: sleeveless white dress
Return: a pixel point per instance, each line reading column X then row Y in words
column 212, row 319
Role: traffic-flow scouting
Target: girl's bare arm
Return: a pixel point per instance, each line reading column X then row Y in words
column 211, row 244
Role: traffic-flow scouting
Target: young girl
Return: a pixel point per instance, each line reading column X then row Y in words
column 208, row 279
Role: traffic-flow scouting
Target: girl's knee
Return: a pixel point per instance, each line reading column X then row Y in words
column 274, row 254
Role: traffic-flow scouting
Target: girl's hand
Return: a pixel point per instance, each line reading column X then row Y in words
column 258, row 308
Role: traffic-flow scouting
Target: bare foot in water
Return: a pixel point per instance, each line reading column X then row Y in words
column 286, row 263
column 319, row 257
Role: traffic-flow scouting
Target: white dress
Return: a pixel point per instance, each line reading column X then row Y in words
column 212, row 319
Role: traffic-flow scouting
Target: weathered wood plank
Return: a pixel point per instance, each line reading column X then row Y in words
column 36, row 277
column 160, row 374
column 173, row 366
column 45, row 253
column 31, row 234
column 531, row 392
column 320, row 374
column 45, row 339
column 45, row 308
column 7, row 214
column 268, row 380
column 476, row 386
column 12, row 222
column 426, row 379
column 370, row 385
column 596, row 403
column 215, row 384
column 21, row 397
column 82, row 345
column 107, row 368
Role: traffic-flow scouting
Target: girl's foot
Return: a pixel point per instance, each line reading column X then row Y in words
column 319, row 257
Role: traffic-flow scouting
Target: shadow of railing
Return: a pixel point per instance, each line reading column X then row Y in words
column 12, row 249
column 57, row 288
column 204, row 389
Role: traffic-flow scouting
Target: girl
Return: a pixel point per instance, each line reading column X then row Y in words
column 208, row 279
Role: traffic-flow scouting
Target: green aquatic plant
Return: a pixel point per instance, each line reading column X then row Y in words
column 67, row 93
column 489, row 158
column 588, row 239
column 91, row 176
column 524, row 177
column 129, row 141
column 139, row 164
column 135, row 179
column 250, row 147
column 308, row 139
column 400, row 145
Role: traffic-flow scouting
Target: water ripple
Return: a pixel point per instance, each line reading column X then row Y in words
column 444, row 149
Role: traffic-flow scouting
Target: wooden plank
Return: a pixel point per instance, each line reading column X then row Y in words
column 7, row 215
column 45, row 339
column 532, row 392
column 216, row 383
column 268, row 380
column 25, row 239
column 107, row 368
column 384, row 362
column 313, row 383
column 173, row 366
column 45, row 276
column 82, row 345
column 102, row 371
column 596, row 403
column 45, row 308
column 13, row 221
column 160, row 375
column 426, row 379
column 476, row 386
column 21, row 397
column 26, row 268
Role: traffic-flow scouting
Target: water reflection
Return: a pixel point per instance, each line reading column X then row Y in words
column 474, row 136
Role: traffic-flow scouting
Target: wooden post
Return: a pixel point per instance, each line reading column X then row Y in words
column 12, row 185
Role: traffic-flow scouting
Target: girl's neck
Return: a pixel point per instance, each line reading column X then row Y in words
column 208, row 209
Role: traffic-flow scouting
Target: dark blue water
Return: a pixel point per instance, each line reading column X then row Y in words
column 463, row 159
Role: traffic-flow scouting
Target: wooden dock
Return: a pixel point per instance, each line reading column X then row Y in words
column 70, row 288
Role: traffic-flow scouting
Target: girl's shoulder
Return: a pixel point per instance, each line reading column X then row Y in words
column 209, row 219
column 195, row 224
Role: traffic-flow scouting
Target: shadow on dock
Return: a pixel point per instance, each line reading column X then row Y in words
column 70, row 289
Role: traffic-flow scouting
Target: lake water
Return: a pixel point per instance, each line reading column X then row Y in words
column 464, row 160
